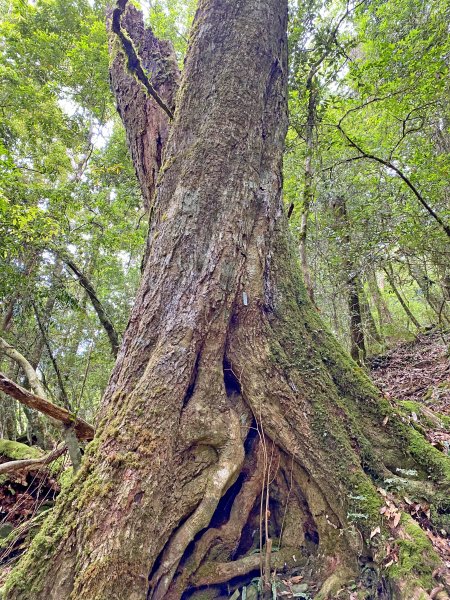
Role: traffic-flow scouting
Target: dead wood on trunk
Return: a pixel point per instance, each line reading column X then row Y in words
column 146, row 123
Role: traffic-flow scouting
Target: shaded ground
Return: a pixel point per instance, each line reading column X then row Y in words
column 418, row 371
column 25, row 498
column 417, row 375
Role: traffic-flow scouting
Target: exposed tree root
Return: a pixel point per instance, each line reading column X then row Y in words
column 227, row 535
column 336, row 581
column 214, row 573
column 224, row 473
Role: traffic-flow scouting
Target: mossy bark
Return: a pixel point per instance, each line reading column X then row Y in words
column 233, row 420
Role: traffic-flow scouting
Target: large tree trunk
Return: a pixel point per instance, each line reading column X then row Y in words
column 230, row 409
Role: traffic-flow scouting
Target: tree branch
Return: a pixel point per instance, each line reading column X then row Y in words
column 98, row 306
column 30, row 373
column 389, row 165
column 83, row 430
column 32, row 463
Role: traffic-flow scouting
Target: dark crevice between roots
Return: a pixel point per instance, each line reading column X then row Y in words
column 232, row 385
column 223, row 510
column 224, row 588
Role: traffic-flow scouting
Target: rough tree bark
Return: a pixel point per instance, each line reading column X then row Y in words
column 228, row 394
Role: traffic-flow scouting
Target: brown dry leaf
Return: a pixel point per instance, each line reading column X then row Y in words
column 296, row 579
column 385, row 420
column 388, row 564
column 397, row 518
column 382, row 491
column 407, row 500
column 374, row 532
column 383, row 509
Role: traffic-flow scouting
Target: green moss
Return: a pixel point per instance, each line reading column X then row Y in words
column 436, row 464
column 42, row 546
column 18, row 451
column 364, row 502
column 417, row 558
column 66, row 478
column 440, row 511
column 411, row 407
column 445, row 420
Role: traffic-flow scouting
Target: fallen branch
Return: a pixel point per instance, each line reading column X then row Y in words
column 32, row 463
column 83, row 430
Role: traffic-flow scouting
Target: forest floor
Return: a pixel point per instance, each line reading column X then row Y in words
column 416, row 374
column 417, row 370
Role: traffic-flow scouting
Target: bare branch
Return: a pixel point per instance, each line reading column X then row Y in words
column 32, row 463
column 403, row 177
column 98, row 306
column 83, row 430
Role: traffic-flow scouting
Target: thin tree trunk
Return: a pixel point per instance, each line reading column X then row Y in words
column 229, row 395
column 36, row 425
column 384, row 315
column 368, row 320
column 357, row 342
column 8, row 418
column 425, row 284
column 308, row 192
column 399, row 297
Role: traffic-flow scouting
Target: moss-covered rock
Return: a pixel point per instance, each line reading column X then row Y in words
column 16, row 451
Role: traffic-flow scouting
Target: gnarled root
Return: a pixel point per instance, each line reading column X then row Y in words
column 223, row 475
column 336, row 581
column 227, row 535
